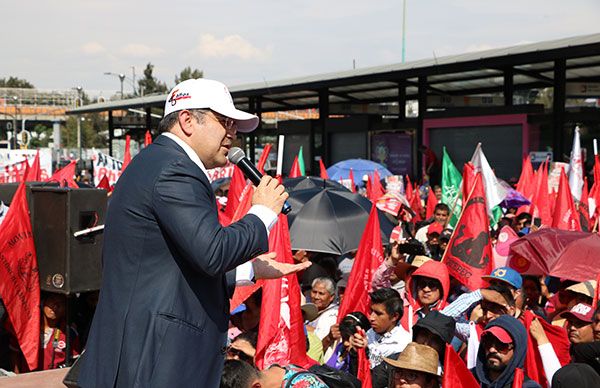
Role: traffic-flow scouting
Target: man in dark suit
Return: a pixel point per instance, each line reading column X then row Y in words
column 168, row 264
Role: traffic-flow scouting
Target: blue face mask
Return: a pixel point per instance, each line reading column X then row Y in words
column 525, row 230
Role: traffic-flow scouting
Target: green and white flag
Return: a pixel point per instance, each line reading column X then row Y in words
column 495, row 192
column 301, row 162
column 451, row 189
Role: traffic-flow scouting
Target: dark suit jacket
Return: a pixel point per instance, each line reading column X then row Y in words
column 163, row 311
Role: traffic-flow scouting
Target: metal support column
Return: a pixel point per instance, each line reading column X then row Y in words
column 251, row 135
column 111, row 132
column 402, row 100
column 418, row 159
column 558, row 108
column 508, row 87
column 323, row 119
column 149, row 119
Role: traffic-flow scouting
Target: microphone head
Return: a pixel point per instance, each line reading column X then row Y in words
column 235, row 155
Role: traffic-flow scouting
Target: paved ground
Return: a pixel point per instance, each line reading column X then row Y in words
column 45, row 379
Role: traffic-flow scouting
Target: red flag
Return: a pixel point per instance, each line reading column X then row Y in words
column 295, row 171
column 597, row 169
column 351, row 177
column 127, row 154
column 20, row 285
column 518, row 378
column 368, row 258
column 281, row 338
column 456, row 373
column 369, row 185
column 34, row 174
column 147, row 139
column 263, row 158
column 378, row 190
column 245, row 203
column 468, row 179
column 469, row 252
column 323, row 170
column 431, row 202
column 408, row 190
column 242, row 293
column 565, row 216
column 364, row 369
column 533, row 360
column 596, row 293
column 103, row 184
column 416, row 204
column 65, row 175
column 525, row 183
column 584, row 208
column 541, row 199
column 236, row 188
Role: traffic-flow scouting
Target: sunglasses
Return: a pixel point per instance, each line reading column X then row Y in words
column 404, row 374
column 428, row 283
column 491, row 341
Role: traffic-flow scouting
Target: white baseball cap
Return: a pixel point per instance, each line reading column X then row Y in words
column 208, row 94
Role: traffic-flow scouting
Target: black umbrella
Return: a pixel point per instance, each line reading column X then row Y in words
column 311, row 182
column 331, row 221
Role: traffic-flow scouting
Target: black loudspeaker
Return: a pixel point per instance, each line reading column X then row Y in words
column 72, row 375
column 68, row 264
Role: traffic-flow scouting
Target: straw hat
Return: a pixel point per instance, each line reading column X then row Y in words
column 417, row 357
column 584, row 288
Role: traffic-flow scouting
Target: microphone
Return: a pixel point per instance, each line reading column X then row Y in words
column 237, row 157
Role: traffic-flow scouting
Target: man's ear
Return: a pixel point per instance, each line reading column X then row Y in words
column 256, row 384
column 186, row 121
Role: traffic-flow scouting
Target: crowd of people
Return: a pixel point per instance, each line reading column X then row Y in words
column 539, row 325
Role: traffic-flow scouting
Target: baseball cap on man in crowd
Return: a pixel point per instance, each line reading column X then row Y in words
column 208, row 94
column 506, row 275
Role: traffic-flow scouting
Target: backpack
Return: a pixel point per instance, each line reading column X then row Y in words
column 332, row 377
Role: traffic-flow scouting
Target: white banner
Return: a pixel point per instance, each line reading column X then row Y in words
column 11, row 159
column 106, row 165
column 220, row 172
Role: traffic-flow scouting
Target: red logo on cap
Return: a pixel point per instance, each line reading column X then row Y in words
column 176, row 96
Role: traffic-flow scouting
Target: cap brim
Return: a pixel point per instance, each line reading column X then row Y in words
column 570, row 314
column 245, row 122
column 500, row 333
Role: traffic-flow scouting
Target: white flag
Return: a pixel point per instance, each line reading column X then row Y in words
column 576, row 167
column 495, row 192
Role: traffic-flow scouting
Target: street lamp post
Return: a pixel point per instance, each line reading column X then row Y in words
column 14, row 140
column 121, row 78
column 79, row 118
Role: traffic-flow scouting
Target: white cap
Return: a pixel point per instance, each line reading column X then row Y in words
column 208, row 94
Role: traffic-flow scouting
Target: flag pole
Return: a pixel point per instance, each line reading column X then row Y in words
column 280, row 155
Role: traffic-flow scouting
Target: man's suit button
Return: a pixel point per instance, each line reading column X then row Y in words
column 224, row 350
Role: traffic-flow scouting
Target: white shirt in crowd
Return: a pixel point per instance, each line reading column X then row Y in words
column 380, row 346
column 326, row 319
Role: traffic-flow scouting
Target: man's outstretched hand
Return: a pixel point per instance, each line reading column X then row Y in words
column 266, row 267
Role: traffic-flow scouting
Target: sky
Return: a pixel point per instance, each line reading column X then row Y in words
column 62, row 44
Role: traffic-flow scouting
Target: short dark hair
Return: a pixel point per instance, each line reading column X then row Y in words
column 237, row 374
column 504, row 290
column 350, row 321
column 249, row 336
column 167, row 122
column 442, row 207
column 390, row 299
column 524, row 216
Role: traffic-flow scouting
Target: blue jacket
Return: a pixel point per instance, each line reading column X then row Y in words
column 519, row 335
column 163, row 310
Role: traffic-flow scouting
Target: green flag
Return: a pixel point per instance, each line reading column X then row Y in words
column 451, row 190
column 301, row 162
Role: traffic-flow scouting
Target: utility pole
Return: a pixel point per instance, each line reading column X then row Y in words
column 133, row 80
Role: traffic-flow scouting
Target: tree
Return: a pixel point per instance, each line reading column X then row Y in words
column 94, row 130
column 14, row 82
column 188, row 73
column 150, row 84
